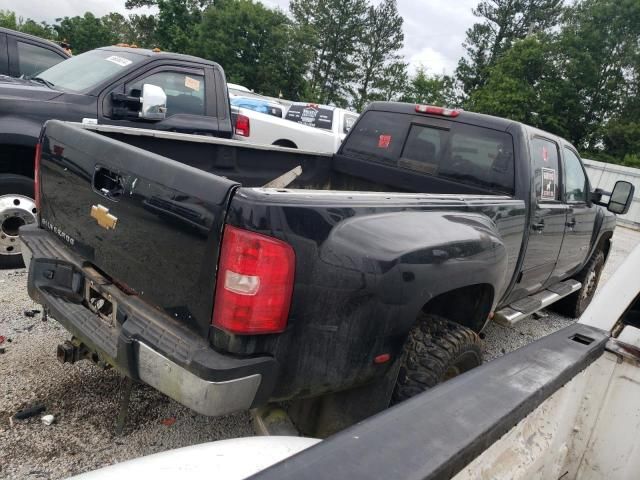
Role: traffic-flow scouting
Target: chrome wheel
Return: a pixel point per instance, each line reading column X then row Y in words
column 15, row 211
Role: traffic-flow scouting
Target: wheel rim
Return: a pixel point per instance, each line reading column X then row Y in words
column 15, row 211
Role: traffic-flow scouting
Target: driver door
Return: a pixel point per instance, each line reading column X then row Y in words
column 546, row 229
column 187, row 97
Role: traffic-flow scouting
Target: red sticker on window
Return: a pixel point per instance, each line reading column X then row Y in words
column 384, row 141
column 545, row 154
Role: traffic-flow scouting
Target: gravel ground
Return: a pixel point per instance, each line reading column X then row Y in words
column 84, row 399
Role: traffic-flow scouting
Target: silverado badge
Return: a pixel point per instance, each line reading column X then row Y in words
column 103, row 217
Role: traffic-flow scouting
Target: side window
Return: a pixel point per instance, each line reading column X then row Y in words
column 544, row 156
column 575, row 181
column 185, row 91
column 349, row 120
column 33, row 59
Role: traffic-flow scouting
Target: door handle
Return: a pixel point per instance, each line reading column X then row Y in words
column 538, row 227
column 108, row 183
column 571, row 223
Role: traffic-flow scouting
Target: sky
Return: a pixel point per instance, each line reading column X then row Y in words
column 433, row 29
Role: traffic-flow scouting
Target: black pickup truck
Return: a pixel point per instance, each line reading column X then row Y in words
column 24, row 55
column 100, row 86
column 227, row 277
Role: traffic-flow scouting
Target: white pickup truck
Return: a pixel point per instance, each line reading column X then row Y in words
column 324, row 117
column 310, row 127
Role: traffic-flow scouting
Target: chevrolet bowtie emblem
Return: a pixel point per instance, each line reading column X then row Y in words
column 103, row 217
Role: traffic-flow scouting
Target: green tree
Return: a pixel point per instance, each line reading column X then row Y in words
column 8, row 19
column 503, row 23
column 600, row 59
column 143, row 30
column 430, row 89
column 85, row 33
column 176, row 23
column 333, row 30
column 378, row 57
column 393, row 82
column 258, row 47
column 42, row 29
column 525, row 85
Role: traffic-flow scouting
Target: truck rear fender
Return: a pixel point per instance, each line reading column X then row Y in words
column 19, row 131
column 18, row 139
column 602, row 232
column 449, row 262
column 469, row 306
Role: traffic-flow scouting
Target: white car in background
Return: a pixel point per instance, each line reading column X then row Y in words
column 310, row 127
column 324, row 117
column 263, row 129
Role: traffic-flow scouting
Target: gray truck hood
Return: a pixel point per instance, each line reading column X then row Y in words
column 23, row 88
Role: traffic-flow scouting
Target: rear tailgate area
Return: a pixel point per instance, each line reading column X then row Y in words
column 150, row 224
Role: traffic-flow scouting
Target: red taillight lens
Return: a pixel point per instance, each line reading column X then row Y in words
column 243, row 126
column 445, row 112
column 36, row 175
column 255, row 282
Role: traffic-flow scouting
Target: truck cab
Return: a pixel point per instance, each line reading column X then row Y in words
column 23, row 55
column 102, row 86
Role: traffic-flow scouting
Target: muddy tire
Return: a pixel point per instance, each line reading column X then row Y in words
column 436, row 350
column 17, row 208
column 575, row 304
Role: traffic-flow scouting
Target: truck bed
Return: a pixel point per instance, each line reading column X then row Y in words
column 256, row 165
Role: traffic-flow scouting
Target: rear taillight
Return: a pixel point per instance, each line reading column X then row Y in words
column 243, row 126
column 255, row 282
column 445, row 112
column 36, row 175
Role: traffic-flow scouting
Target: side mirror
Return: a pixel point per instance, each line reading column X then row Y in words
column 621, row 197
column 154, row 102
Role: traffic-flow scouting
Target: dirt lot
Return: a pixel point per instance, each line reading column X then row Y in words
column 84, row 399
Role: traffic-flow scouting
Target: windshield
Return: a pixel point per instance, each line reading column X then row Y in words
column 88, row 69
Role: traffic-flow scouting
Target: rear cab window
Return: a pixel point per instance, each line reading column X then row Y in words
column 349, row 121
column 463, row 153
column 312, row 115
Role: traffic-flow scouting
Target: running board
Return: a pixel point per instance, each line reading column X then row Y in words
column 521, row 309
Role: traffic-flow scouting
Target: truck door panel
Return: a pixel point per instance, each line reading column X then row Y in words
column 581, row 215
column 548, row 219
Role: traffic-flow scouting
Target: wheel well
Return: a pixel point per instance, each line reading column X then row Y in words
column 605, row 244
column 17, row 159
column 285, row 143
column 468, row 306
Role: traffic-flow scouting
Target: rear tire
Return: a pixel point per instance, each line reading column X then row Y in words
column 436, row 350
column 17, row 208
column 574, row 305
